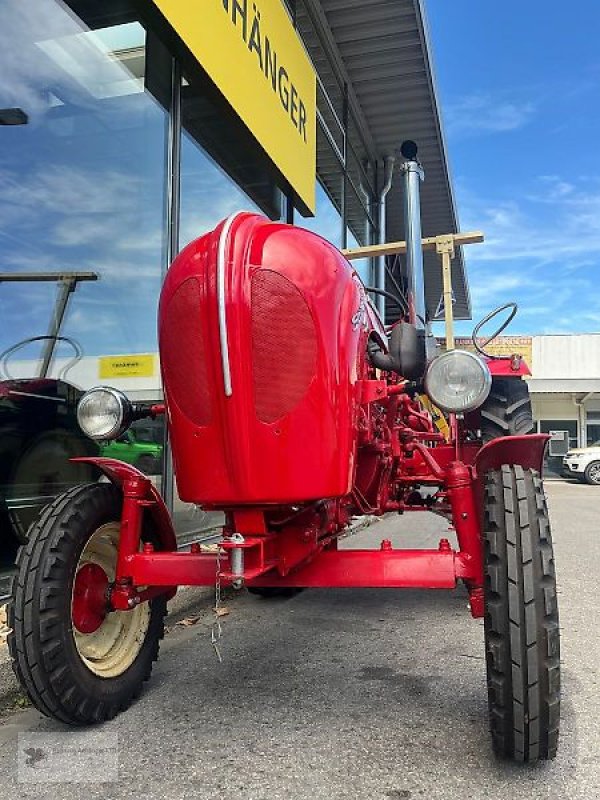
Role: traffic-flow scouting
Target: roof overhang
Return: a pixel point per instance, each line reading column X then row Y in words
column 384, row 53
column 572, row 386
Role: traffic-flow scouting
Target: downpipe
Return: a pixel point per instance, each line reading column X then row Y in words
column 388, row 171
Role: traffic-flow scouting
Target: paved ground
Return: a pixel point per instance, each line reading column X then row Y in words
column 346, row 694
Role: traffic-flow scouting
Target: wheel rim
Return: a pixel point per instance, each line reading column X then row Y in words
column 108, row 643
column 594, row 473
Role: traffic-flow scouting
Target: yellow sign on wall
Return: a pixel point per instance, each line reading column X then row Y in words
column 502, row 346
column 256, row 59
column 136, row 365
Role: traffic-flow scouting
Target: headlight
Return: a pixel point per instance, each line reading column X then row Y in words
column 458, row 381
column 104, row 413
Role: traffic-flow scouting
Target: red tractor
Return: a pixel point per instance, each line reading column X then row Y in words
column 276, row 365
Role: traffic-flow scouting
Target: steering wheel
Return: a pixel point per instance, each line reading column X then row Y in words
column 10, row 351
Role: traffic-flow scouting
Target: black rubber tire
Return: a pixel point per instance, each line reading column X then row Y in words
column 521, row 617
column 273, row 592
column 42, row 648
column 594, row 481
column 507, row 410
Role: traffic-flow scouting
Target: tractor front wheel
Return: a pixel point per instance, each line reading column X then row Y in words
column 521, row 617
column 78, row 661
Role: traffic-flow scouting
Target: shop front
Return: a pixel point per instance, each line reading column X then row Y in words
column 129, row 128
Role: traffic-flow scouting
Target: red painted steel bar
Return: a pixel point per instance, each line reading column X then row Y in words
column 427, row 569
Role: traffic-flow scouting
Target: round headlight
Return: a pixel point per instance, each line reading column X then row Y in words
column 103, row 413
column 458, row 381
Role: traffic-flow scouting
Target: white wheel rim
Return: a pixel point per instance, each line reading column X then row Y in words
column 111, row 649
column 594, row 473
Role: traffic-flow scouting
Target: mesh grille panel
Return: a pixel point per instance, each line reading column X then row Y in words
column 183, row 353
column 284, row 345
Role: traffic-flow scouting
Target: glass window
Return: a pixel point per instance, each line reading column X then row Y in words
column 82, row 187
column 553, row 464
column 593, row 434
column 327, row 221
column 360, row 231
column 82, row 177
column 329, row 194
column 361, row 265
column 235, row 177
column 208, row 195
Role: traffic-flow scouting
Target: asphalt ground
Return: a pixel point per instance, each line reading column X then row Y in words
column 376, row 694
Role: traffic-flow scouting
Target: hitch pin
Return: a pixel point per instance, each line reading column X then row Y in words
column 237, row 560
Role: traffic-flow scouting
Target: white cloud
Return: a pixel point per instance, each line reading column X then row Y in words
column 542, row 250
column 483, row 113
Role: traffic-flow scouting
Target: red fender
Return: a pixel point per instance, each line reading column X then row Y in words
column 528, row 451
column 508, row 368
column 118, row 472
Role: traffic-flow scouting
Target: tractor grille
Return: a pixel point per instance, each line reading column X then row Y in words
column 183, row 353
column 284, row 345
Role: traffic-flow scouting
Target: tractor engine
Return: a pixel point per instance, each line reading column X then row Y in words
column 263, row 335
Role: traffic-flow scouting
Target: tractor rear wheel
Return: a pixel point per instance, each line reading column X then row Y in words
column 521, row 617
column 77, row 661
column 507, row 410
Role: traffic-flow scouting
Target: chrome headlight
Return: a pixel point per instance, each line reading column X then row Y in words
column 458, row 381
column 104, row 413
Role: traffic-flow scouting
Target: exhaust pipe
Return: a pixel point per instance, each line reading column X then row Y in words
column 412, row 173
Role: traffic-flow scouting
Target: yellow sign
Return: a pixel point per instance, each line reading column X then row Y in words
column 137, row 365
column 501, row 346
column 255, row 57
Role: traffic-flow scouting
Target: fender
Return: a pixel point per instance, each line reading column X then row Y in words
column 508, row 367
column 118, row 472
column 528, row 451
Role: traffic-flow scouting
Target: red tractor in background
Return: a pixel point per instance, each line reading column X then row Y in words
column 276, row 364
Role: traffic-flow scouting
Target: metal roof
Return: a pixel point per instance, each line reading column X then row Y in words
column 381, row 49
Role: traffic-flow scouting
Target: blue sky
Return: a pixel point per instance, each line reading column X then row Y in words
column 519, row 84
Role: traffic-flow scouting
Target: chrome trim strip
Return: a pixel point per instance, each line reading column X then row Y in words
column 221, row 300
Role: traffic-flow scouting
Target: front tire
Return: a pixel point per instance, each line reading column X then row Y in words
column 78, row 663
column 521, row 617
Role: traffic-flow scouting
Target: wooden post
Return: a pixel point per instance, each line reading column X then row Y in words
column 445, row 247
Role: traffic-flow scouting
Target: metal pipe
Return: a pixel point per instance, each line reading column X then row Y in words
column 388, row 170
column 172, row 204
column 64, row 292
column 413, row 173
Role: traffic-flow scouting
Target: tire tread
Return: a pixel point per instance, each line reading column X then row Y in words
column 521, row 620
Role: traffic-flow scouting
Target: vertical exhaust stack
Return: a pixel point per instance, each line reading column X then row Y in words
column 388, row 170
column 412, row 173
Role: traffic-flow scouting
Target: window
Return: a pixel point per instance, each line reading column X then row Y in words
column 82, row 178
column 329, row 194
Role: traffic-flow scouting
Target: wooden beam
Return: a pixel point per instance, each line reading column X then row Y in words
column 429, row 243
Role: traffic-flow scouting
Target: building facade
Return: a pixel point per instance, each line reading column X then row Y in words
column 128, row 129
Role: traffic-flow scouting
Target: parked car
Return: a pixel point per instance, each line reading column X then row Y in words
column 583, row 463
column 38, row 436
column 141, row 446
